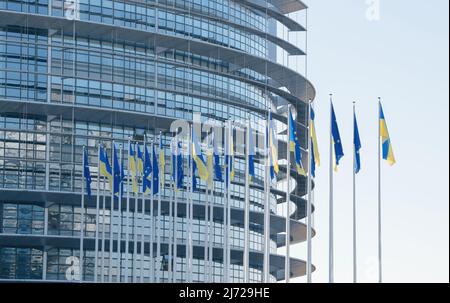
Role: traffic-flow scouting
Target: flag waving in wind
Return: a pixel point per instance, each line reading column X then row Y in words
column 146, row 176
column 251, row 154
column 357, row 145
column 315, row 156
column 87, row 173
column 132, row 168
column 388, row 152
column 155, row 171
column 200, row 163
column 338, row 150
column 105, row 167
column 294, row 145
column 271, row 134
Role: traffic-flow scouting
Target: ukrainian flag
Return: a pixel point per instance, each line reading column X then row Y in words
column 105, row 167
column 274, row 167
column 132, row 168
column 388, row 152
column 198, row 158
column 338, row 150
column 295, row 145
column 140, row 161
column 314, row 145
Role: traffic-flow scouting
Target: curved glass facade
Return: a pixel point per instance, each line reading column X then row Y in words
column 93, row 72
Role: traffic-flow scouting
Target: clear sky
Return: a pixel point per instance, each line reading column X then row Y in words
column 404, row 58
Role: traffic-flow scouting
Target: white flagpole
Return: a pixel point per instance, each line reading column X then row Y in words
column 111, row 235
column 135, row 219
column 247, row 207
column 152, row 222
column 331, row 240
column 266, row 278
column 171, row 220
column 227, row 212
column 82, row 220
column 143, row 216
column 189, row 209
column 127, row 231
column 175, row 214
column 207, row 226
column 380, row 252
column 97, row 217
column 309, row 205
column 103, row 230
column 158, row 221
column 287, row 266
column 355, row 271
column 119, row 208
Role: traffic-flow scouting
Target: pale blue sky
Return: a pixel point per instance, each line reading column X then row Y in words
column 403, row 58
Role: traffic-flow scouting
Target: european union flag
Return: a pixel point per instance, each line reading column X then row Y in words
column 146, row 178
column 251, row 155
column 155, row 171
column 87, row 173
column 118, row 174
column 357, row 145
column 337, row 142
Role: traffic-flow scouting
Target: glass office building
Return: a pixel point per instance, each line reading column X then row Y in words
column 90, row 72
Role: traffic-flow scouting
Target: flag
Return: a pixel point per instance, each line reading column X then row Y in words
column 118, row 172
column 155, row 171
column 162, row 161
column 140, row 161
column 217, row 169
column 357, row 145
column 388, row 152
column 198, row 158
column 274, row 167
column 295, row 145
column 146, row 176
column 338, row 150
column 229, row 158
column 105, row 166
column 251, row 154
column 87, row 173
column 210, row 164
column 177, row 165
column 132, row 168
column 315, row 156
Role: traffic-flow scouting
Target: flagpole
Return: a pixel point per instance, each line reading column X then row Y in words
column 103, row 230
column 355, row 271
column 287, row 267
column 331, row 235
column 171, row 220
column 266, row 278
column 175, row 214
column 152, row 220
column 127, row 231
column 82, row 220
column 111, row 215
column 158, row 221
column 309, row 202
column 119, row 208
column 380, row 264
column 227, row 207
column 135, row 217
column 143, row 213
column 247, row 207
column 188, row 206
column 97, row 217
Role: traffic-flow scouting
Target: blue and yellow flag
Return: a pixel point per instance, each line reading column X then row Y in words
column 357, row 145
column 295, row 145
column 140, row 161
column 217, row 168
column 177, row 165
column 146, row 176
column 338, row 150
column 315, row 156
column 198, row 158
column 229, row 157
column 162, row 161
column 105, row 167
column 251, row 155
column 132, row 168
column 118, row 173
column 87, row 173
column 388, row 151
column 274, row 167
